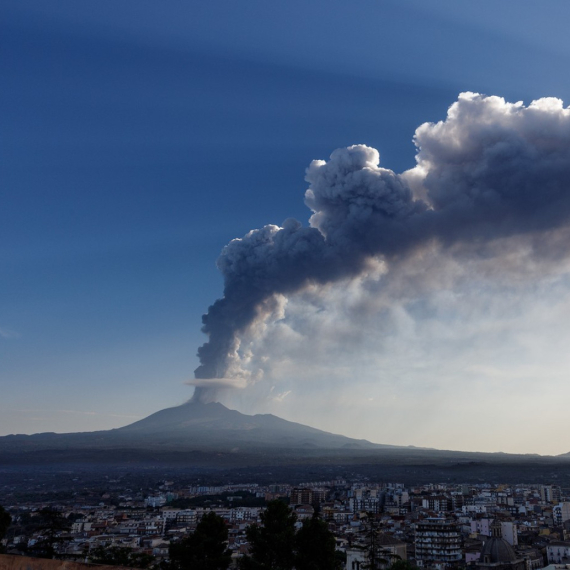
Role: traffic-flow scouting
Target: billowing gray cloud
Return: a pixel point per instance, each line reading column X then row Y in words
column 492, row 170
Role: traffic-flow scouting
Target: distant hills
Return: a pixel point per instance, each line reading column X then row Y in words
column 211, row 436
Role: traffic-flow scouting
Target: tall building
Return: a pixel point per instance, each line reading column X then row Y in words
column 439, row 503
column 301, row 496
column 509, row 531
column 438, row 544
column 550, row 494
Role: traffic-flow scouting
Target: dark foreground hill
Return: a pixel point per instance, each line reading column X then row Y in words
column 210, row 436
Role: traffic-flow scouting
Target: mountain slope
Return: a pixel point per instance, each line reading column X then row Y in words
column 193, row 426
column 212, row 437
column 214, row 423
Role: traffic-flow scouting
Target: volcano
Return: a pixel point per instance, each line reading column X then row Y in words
column 212, row 437
column 214, row 425
column 193, row 427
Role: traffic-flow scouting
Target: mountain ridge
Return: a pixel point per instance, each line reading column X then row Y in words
column 211, row 436
column 193, row 418
column 198, row 426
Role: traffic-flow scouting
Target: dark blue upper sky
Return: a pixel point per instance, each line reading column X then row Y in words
column 137, row 138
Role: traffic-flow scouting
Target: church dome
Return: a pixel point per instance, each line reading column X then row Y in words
column 497, row 551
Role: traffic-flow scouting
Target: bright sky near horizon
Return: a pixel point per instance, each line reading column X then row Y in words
column 139, row 138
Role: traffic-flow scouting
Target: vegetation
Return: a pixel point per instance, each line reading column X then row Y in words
column 120, row 556
column 246, row 499
column 379, row 557
column 275, row 545
column 205, row 549
column 272, row 545
column 315, row 545
column 51, row 524
column 403, row 565
column 5, row 521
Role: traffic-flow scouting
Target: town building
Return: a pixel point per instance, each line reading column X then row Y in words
column 437, row 543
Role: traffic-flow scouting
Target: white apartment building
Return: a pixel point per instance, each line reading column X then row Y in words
column 558, row 553
column 561, row 513
column 438, row 543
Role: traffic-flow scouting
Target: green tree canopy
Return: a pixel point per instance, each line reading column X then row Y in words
column 5, row 521
column 316, row 547
column 403, row 565
column 51, row 524
column 120, row 556
column 378, row 557
column 272, row 545
column 205, row 549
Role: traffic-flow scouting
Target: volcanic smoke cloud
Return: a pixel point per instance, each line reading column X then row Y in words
column 491, row 170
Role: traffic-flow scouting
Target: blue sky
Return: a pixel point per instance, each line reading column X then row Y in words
column 139, row 138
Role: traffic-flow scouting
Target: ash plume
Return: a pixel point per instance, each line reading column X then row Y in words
column 490, row 170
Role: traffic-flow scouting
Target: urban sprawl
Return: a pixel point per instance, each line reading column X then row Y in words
column 441, row 526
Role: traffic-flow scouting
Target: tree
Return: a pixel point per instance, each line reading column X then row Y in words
column 5, row 521
column 120, row 556
column 51, row 524
column 205, row 549
column 316, row 547
column 272, row 545
column 378, row 557
column 402, row 565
